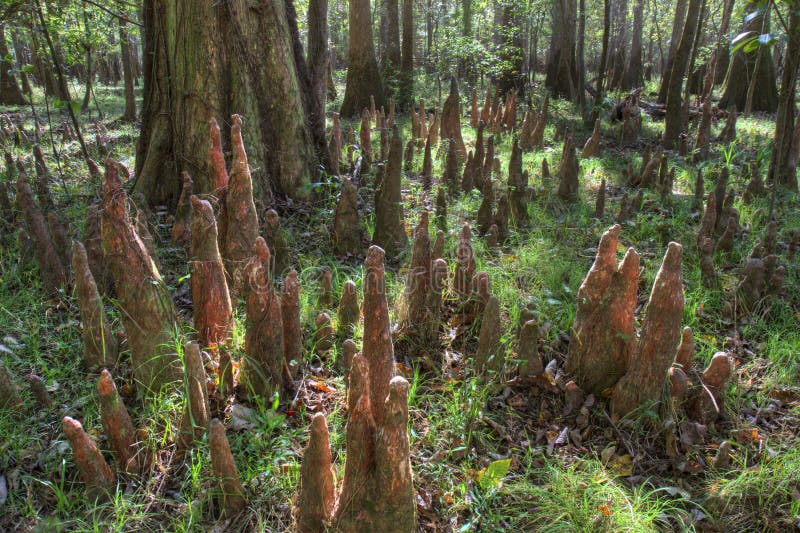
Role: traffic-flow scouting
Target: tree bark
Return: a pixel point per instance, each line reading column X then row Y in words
column 363, row 77
column 783, row 161
column 393, row 58
column 677, row 31
column 742, row 70
column 633, row 70
column 207, row 59
column 127, row 72
column 406, row 93
column 510, row 50
column 723, row 50
column 620, row 45
column 317, row 61
column 598, row 98
column 10, row 93
column 561, row 69
column 673, row 125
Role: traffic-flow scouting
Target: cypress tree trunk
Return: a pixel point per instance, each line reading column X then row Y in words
column 363, row 77
column 673, row 125
column 510, row 51
column 393, row 56
column 127, row 72
column 677, row 31
column 633, row 70
column 620, row 46
column 783, row 161
column 562, row 73
column 723, row 52
column 207, row 59
column 10, row 93
column 407, row 67
column 742, row 70
column 318, row 58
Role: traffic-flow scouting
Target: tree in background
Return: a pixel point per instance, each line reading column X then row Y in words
column 561, row 63
column 363, row 77
column 751, row 68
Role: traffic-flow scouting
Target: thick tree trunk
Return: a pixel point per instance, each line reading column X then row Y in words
column 674, row 123
column 723, row 49
column 10, row 93
column 562, row 73
column 598, row 98
column 363, row 76
column 742, row 71
column 677, row 31
column 581, row 66
column 510, row 50
column 620, row 46
column 406, row 93
column 392, row 57
column 317, row 61
column 207, row 59
column 783, row 162
column 127, row 72
column 633, row 70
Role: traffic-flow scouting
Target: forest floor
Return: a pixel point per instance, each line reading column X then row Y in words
column 489, row 457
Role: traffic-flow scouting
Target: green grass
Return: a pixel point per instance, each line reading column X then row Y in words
column 453, row 440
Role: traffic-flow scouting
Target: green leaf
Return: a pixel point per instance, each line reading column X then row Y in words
column 491, row 476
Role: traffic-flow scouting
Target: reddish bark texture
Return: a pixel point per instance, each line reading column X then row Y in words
column 316, row 480
column 195, row 414
column 603, row 330
column 241, row 217
column 54, row 273
column 117, row 423
column 232, row 496
column 148, row 313
column 377, row 345
column 658, row 339
column 212, row 310
column 346, row 229
column 263, row 371
column 290, row 315
column 99, row 343
column 94, row 471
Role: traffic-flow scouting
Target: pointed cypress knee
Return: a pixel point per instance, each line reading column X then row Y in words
column 263, row 371
column 419, row 276
column 377, row 346
column 232, row 492
column 94, row 471
column 99, row 343
column 53, row 271
column 195, row 414
column 117, row 423
column 349, row 310
column 212, row 309
column 346, row 229
column 396, row 509
column 489, row 355
column 242, row 220
column 316, row 480
column 465, row 263
column 602, row 339
column 357, row 483
column 148, row 312
column 658, row 340
column 290, row 315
